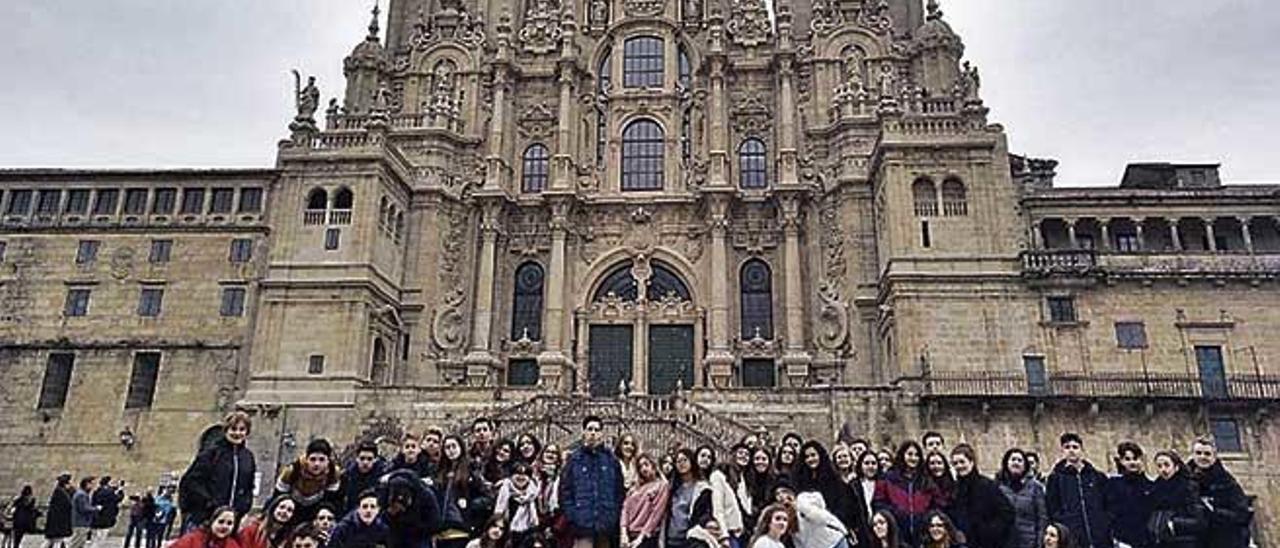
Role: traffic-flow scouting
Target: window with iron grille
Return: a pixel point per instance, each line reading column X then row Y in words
column 192, row 201
column 752, row 160
column 250, row 200
column 142, row 381
column 1037, row 376
column 522, row 372
column 241, row 250
column 756, row 285
column 160, row 251
column 536, row 168
column 1131, row 334
column 150, row 301
column 135, row 201
column 57, row 381
column 642, row 156
column 925, row 196
column 232, row 302
column 1226, row 434
column 77, row 201
column 165, row 199
column 1062, row 309
column 87, row 251
column 106, row 201
column 77, row 303
column 954, row 201
column 642, row 62
column 223, row 199
column 19, row 203
column 526, row 316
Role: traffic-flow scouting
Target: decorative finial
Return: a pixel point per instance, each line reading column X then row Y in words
column 373, row 24
column 935, row 12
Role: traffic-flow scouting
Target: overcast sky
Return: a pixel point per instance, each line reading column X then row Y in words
column 205, row 83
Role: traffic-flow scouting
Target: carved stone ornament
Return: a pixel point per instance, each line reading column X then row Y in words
column 643, row 8
column 451, row 22
column 875, row 17
column 827, row 17
column 749, row 25
column 449, row 326
column 122, row 263
column 832, row 329
column 541, row 31
column 537, row 122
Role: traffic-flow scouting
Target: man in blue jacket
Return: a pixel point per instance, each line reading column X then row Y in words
column 591, row 490
column 1074, row 496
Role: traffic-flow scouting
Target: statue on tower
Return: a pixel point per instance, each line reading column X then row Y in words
column 307, row 98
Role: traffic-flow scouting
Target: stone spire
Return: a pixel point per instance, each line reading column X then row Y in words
column 365, row 68
column 373, row 24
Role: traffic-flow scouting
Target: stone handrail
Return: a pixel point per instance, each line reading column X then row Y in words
column 1101, row 385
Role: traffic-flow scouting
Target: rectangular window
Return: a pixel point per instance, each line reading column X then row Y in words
column 1213, row 373
column 241, row 250
column 925, row 239
column 1226, row 434
column 165, row 199
column 331, row 238
column 87, row 251
column 150, row 301
column 160, row 251
column 77, row 303
column 757, row 373
column 232, row 302
column 106, row 201
column 1131, row 334
column 19, row 203
column 315, row 364
column 250, row 200
column 47, row 202
column 1062, row 309
column 642, row 62
column 223, row 199
column 1127, row 243
column 522, row 373
column 192, row 201
column 142, row 382
column 57, row 381
column 135, row 201
column 78, row 201
column 1037, row 377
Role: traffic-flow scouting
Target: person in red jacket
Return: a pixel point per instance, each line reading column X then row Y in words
column 907, row 492
column 217, row 532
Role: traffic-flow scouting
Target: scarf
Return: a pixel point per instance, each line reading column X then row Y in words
column 520, row 505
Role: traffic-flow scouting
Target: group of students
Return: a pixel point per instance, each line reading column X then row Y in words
column 78, row 514
column 483, row 492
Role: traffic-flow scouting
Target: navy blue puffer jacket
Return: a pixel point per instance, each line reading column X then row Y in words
column 591, row 491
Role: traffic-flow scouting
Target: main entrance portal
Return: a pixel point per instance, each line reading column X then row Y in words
column 641, row 331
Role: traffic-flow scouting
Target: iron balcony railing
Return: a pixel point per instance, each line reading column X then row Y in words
column 1101, row 385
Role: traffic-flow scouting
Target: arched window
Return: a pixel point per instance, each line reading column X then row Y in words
column 343, row 198
column 954, row 202
column 317, row 199
column 642, row 62
column 536, row 168
column 378, row 364
column 925, row 196
column 526, row 314
column 756, row 285
column 662, row 282
column 751, row 164
column 642, row 156
column 384, row 211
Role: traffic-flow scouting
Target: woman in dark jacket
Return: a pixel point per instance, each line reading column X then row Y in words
column 938, row 468
column 57, row 527
column 1026, row 494
column 906, row 492
column 978, row 508
column 223, row 474
column 760, row 479
column 816, row 473
column 25, row 515
column 1128, row 497
column 459, row 489
column 1177, row 516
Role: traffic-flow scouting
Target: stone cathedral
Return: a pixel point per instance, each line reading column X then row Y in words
column 699, row 219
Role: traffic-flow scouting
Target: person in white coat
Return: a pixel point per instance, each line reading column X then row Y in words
column 815, row 526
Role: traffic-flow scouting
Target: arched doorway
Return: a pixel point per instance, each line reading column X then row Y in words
column 642, row 331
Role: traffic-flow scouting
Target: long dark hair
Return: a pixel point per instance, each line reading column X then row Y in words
column 946, row 482
column 454, row 472
column 676, row 478
column 857, row 465
column 954, row 535
column 893, row 537
column 704, row 474
column 900, row 461
column 207, row 525
column 1065, row 540
column 495, row 471
column 807, row 479
column 759, row 483
column 1006, row 477
column 270, row 531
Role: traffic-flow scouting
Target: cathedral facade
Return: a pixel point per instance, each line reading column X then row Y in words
column 700, row 218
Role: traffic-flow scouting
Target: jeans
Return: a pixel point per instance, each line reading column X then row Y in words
column 137, row 529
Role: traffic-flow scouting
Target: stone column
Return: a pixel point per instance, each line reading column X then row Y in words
column 787, row 164
column 563, row 171
column 1037, row 234
column 717, row 153
column 1210, row 238
column 795, row 358
column 553, row 362
column 1104, row 224
column 1246, row 234
column 719, row 359
column 1071, row 233
column 1137, row 225
column 495, row 172
column 1174, row 236
column 481, row 360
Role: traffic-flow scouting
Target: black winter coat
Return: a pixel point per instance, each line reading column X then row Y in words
column 1177, row 515
column 981, row 511
column 421, row 517
column 58, row 523
column 107, row 498
column 1128, row 497
column 1075, row 498
column 1229, row 510
column 25, row 514
column 354, row 482
column 222, row 474
column 350, row 532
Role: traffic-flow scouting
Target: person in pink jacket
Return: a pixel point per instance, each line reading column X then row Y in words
column 644, row 508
